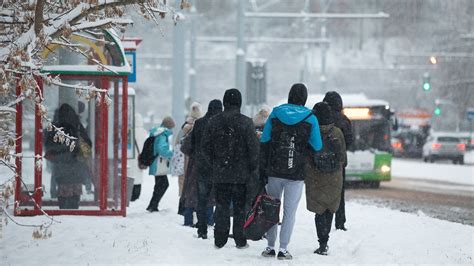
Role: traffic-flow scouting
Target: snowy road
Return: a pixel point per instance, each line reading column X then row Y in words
column 442, row 191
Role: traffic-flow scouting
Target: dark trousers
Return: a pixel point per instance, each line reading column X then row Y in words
column 161, row 185
column 136, row 192
column 225, row 194
column 341, row 211
column 204, row 191
column 188, row 216
column 323, row 226
column 69, row 202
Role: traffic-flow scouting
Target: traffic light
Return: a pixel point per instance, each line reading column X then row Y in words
column 437, row 111
column 426, row 82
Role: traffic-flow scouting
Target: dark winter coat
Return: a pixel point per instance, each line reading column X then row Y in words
column 190, row 175
column 203, row 173
column 242, row 167
column 69, row 167
column 323, row 190
column 341, row 121
column 196, row 170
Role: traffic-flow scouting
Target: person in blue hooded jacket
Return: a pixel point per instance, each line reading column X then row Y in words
column 289, row 135
column 161, row 148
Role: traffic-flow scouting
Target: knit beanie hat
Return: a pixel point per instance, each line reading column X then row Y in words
column 232, row 97
column 334, row 100
column 322, row 110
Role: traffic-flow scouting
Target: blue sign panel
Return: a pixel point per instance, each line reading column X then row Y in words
column 132, row 59
column 470, row 114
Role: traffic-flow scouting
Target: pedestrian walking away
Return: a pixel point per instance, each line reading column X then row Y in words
column 141, row 135
column 324, row 179
column 205, row 209
column 289, row 133
column 344, row 124
column 230, row 148
column 159, row 167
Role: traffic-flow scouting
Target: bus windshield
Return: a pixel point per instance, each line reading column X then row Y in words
column 371, row 135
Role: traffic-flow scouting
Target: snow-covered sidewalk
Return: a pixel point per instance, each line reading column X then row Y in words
column 376, row 235
column 459, row 174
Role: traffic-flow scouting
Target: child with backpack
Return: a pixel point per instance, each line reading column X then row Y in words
column 324, row 179
column 155, row 154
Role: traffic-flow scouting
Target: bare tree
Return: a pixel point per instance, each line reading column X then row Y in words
column 26, row 29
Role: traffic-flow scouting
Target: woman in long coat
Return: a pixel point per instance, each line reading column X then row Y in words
column 323, row 189
column 69, row 166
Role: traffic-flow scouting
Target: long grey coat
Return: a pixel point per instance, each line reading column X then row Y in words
column 323, row 190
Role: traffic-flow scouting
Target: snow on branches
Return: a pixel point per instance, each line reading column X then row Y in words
column 27, row 28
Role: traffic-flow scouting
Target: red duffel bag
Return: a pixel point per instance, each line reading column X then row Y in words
column 264, row 214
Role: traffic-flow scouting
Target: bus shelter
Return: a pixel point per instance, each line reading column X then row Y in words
column 89, row 177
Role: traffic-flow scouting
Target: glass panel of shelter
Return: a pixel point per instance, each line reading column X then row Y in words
column 70, row 179
column 115, row 146
column 27, row 186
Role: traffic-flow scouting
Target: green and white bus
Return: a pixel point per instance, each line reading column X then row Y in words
column 369, row 157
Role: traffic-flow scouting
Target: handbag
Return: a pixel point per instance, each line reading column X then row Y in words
column 162, row 166
column 177, row 161
column 265, row 213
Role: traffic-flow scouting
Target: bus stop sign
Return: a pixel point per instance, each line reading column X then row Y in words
column 470, row 114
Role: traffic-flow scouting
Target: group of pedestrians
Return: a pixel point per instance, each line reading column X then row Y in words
column 230, row 158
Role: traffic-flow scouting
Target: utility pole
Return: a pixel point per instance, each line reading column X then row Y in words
column 240, row 53
column 324, row 46
column 178, row 72
column 192, row 53
column 305, row 71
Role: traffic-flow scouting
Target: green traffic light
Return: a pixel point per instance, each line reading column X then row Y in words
column 437, row 111
column 426, row 86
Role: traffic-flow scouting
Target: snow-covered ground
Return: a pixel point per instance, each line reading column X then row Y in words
column 376, row 235
column 469, row 157
column 459, row 174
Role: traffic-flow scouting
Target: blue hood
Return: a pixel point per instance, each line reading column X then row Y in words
column 291, row 114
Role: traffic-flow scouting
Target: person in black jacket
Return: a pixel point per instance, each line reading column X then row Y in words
column 230, row 148
column 342, row 122
column 204, row 182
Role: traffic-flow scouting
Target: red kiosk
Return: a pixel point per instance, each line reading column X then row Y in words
column 99, row 175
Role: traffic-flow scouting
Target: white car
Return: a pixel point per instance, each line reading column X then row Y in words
column 439, row 147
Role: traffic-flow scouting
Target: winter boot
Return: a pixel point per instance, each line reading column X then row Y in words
column 284, row 255
column 341, row 227
column 151, row 209
column 243, row 246
column 322, row 250
column 202, row 235
column 269, row 252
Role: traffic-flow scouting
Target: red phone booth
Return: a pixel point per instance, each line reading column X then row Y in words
column 91, row 178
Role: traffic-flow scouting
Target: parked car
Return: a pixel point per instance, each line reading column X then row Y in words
column 439, row 147
column 397, row 147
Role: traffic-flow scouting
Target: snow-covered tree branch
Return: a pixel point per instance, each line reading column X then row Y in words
column 27, row 28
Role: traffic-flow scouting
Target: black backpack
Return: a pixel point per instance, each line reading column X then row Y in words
column 146, row 157
column 327, row 160
column 289, row 146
